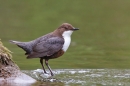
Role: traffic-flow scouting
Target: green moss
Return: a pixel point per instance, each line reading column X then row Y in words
column 7, row 67
column 5, row 55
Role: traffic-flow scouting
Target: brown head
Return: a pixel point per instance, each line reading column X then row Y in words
column 65, row 28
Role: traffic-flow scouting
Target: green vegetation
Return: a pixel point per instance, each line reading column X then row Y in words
column 103, row 40
column 7, row 67
column 5, row 56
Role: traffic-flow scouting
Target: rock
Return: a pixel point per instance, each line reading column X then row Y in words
column 10, row 74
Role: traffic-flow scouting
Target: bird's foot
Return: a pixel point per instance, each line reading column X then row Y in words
column 48, row 74
column 52, row 74
column 45, row 72
column 45, row 75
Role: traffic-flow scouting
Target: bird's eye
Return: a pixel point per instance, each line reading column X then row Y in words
column 66, row 28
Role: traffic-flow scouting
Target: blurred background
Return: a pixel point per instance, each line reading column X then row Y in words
column 103, row 40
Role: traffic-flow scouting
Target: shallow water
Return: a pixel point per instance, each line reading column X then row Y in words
column 82, row 77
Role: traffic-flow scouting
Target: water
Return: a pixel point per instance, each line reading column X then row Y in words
column 82, row 77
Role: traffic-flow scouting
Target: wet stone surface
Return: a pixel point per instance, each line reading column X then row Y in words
column 83, row 77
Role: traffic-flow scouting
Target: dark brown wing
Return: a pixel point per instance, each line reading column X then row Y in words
column 47, row 47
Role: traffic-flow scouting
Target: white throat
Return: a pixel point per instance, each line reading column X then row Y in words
column 67, row 39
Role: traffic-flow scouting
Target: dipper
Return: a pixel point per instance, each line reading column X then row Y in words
column 49, row 46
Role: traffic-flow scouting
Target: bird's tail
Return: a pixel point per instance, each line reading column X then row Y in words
column 18, row 43
column 14, row 42
column 23, row 45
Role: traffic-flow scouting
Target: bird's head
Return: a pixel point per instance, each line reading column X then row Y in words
column 67, row 29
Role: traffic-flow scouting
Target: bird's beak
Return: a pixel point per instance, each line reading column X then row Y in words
column 75, row 29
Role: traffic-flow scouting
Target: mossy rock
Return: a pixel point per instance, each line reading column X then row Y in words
column 9, row 71
column 7, row 66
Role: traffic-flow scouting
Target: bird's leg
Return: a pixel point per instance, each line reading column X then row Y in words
column 46, row 62
column 41, row 61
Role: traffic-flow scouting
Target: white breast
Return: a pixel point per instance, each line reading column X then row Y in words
column 67, row 39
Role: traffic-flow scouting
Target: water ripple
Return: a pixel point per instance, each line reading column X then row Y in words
column 93, row 77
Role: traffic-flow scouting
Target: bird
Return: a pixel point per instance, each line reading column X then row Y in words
column 49, row 46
